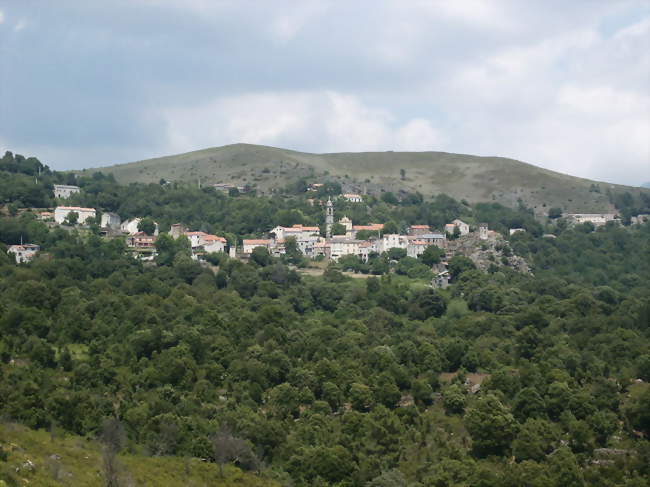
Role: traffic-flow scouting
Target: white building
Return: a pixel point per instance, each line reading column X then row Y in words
column 392, row 241
column 131, row 226
column 483, row 231
column 195, row 238
column 61, row 212
column 340, row 246
column 462, row 226
column 213, row 243
column 437, row 239
column 299, row 232
column 516, row 230
column 65, row 190
column 24, row 252
column 416, row 248
column 250, row 244
column 595, row 218
column 353, row 198
column 111, row 220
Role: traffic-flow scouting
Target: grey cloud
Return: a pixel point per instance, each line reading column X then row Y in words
column 88, row 83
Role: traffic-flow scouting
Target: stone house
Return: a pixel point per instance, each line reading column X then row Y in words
column 415, row 230
column 64, row 191
column 437, row 239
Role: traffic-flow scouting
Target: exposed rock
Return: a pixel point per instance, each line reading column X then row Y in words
column 495, row 250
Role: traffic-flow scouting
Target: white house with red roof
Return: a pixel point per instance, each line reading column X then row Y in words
column 61, row 212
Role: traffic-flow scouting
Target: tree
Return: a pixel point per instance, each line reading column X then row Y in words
column 338, row 229
column 528, row 404
column 390, row 227
column 491, row 426
column 261, row 256
column 565, row 471
column 292, row 252
column 402, row 174
column 391, row 478
column 113, row 437
column 226, row 447
column 453, row 399
column 430, row 303
column 72, row 218
column 535, row 439
column 389, row 198
column 554, row 213
column 147, row 225
column 396, row 253
column 361, row 397
column 459, row 264
column 431, row 255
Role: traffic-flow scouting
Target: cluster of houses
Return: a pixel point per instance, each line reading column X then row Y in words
column 309, row 241
column 358, row 240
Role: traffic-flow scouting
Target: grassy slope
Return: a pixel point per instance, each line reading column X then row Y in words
column 80, row 464
column 461, row 176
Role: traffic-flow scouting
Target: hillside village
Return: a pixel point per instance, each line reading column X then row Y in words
column 480, row 244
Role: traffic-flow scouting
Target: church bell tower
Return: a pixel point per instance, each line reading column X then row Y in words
column 329, row 218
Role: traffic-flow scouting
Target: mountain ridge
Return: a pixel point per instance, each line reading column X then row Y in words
column 462, row 176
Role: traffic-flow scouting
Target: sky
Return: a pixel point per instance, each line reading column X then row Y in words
column 564, row 85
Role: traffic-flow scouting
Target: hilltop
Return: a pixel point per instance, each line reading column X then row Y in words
column 461, row 176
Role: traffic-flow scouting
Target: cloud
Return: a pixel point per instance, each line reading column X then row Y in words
column 324, row 121
column 2, row 17
column 560, row 84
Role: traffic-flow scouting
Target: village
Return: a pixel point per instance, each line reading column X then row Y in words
column 478, row 243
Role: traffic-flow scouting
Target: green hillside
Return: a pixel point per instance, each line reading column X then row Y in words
column 461, row 176
column 55, row 459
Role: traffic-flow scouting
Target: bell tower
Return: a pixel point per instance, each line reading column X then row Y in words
column 329, row 218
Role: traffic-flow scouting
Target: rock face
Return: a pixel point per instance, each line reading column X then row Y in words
column 495, row 250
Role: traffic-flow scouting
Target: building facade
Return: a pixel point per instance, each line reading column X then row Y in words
column 64, row 191
column 111, row 220
column 61, row 212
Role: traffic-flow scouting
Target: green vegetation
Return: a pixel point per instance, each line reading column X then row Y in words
column 54, row 458
column 502, row 379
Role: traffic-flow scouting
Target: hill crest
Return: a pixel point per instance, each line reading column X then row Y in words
column 462, row 176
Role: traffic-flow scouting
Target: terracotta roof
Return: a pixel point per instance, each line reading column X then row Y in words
column 258, row 241
column 420, row 226
column 372, row 226
column 214, row 237
column 74, row 208
column 195, row 233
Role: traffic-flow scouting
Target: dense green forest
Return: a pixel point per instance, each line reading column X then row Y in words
column 502, row 379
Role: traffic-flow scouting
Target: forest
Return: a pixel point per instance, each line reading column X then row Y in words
column 501, row 379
